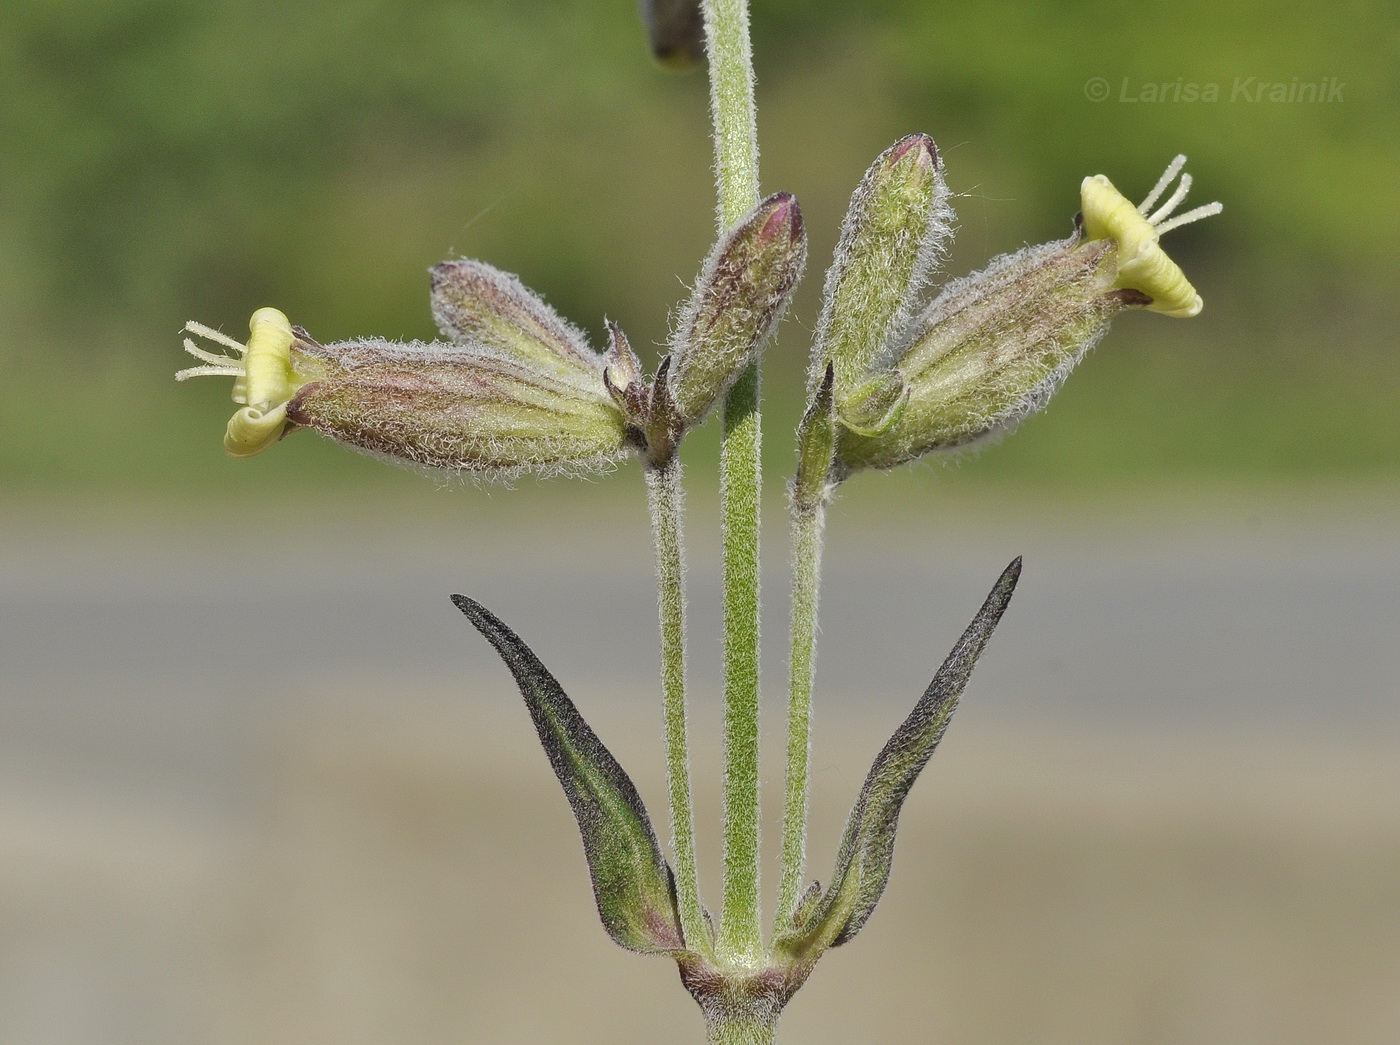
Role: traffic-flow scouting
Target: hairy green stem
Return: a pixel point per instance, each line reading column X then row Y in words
column 808, row 522
column 742, row 1025
column 665, row 497
column 740, row 935
column 736, row 169
column 732, row 107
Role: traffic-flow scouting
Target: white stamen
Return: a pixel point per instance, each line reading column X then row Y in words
column 216, row 358
column 216, row 336
column 1203, row 211
column 1168, row 176
column 209, row 371
column 1164, row 211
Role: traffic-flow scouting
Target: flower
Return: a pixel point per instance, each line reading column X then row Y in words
column 517, row 390
column 1142, row 264
column 266, row 375
column 992, row 347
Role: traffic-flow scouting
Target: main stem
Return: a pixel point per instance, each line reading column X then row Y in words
column 742, row 1025
column 665, row 498
column 732, row 106
column 740, row 936
column 736, row 168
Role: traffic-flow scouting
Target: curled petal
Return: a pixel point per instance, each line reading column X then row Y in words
column 1142, row 263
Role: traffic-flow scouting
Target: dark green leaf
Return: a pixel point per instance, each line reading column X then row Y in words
column 867, row 847
column 631, row 879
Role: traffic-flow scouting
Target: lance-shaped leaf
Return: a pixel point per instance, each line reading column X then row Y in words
column 867, row 847
column 631, row 880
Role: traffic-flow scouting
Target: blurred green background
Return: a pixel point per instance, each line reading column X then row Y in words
column 164, row 160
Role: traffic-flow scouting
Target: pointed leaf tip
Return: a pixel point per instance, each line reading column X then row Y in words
column 632, row 882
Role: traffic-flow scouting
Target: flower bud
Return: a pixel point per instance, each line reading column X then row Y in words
column 897, row 222
column 476, row 304
column 993, row 347
column 741, row 294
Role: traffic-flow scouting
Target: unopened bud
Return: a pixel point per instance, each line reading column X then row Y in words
column 739, row 297
column 893, row 232
column 476, row 304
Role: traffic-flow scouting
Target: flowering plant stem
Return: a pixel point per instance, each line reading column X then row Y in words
column 807, row 523
column 736, row 165
column 665, row 498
